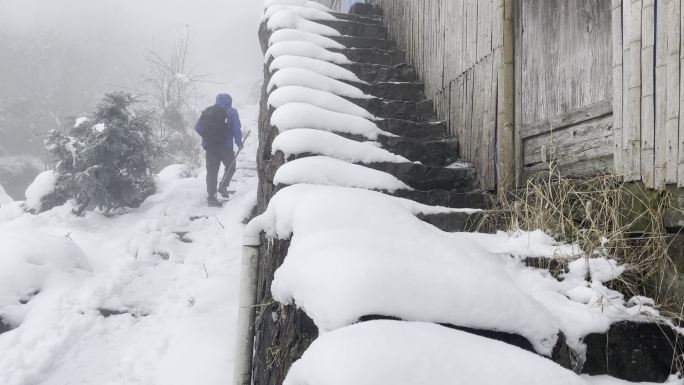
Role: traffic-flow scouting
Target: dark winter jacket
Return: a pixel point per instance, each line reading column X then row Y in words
column 225, row 101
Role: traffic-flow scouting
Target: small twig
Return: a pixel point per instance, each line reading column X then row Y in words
column 219, row 222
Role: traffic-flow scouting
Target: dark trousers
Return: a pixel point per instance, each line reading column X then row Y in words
column 214, row 159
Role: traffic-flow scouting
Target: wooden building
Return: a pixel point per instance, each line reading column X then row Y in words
column 593, row 85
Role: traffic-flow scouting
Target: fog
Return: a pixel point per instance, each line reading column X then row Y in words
column 59, row 57
column 73, row 51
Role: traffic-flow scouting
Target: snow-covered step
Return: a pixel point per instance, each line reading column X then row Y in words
column 372, row 55
column 381, row 73
column 364, row 42
column 406, row 91
column 426, row 178
column 447, row 198
column 361, row 18
column 412, row 129
column 436, row 153
column 354, row 28
column 417, row 111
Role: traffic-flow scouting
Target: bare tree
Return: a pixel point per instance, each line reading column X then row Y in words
column 171, row 86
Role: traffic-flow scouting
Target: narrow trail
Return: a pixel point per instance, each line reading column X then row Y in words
column 156, row 302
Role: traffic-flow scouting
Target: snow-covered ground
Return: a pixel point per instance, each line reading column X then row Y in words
column 170, row 267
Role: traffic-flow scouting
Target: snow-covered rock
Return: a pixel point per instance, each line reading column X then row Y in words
column 43, row 185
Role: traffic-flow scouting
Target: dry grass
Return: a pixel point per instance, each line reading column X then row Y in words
column 605, row 217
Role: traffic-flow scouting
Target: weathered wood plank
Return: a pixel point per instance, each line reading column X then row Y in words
column 647, row 92
column 616, row 34
column 579, row 115
column 661, row 51
column 631, row 134
column 673, row 96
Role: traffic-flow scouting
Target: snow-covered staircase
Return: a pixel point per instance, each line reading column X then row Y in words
column 342, row 115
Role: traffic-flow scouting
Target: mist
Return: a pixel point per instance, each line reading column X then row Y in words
column 58, row 58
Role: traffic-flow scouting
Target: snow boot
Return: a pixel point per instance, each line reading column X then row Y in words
column 213, row 202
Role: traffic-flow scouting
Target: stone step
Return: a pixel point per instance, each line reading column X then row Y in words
column 355, row 28
column 447, row 198
column 435, row 153
column 421, row 177
column 420, row 111
column 406, row 91
column 367, row 10
column 372, row 55
column 369, row 18
column 373, row 73
column 411, row 129
column 454, row 222
column 365, row 42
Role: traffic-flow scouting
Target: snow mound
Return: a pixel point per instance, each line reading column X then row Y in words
column 356, row 252
column 402, row 353
column 311, row 79
column 301, row 3
column 322, row 170
column 304, row 49
column 308, row 13
column 297, row 35
column 288, row 19
column 31, row 263
column 525, row 244
column 322, row 99
column 171, row 173
column 43, row 185
column 308, row 141
column 4, row 197
column 302, row 115
column 324, row 68
column 599, row 269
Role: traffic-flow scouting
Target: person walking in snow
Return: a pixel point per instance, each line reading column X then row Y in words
column 220, row 127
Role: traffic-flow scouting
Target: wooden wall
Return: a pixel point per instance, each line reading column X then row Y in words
column 563, row 59
column 457, row 49
column 647, row 39
column 595, row 85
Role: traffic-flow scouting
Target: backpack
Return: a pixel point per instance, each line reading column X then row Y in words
column 214, row 125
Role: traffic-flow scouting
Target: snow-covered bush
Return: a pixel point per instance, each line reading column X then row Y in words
column 104, row 160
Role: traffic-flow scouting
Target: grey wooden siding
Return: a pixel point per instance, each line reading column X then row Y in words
column 564, row 85
column 596, row 84
column 457, row 49
column 647, row 39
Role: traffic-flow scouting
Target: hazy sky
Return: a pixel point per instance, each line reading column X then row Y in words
column 112, row 37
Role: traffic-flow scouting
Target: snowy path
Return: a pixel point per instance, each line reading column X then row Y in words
column 171, row 267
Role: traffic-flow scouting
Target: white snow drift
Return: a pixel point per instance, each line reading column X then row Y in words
column 321, row 67
column 325, row 171
column 302, row 115
column 304, row 49
column 407, row 353
column 297, row 35
column 322, row 99
column 289, row 19
column 308, row 141
column 312, row 79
